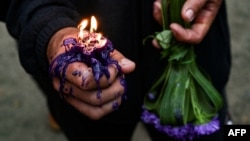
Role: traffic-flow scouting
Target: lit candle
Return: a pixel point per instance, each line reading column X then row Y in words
column 90, row 39
column 82, row 33
column 91, row 48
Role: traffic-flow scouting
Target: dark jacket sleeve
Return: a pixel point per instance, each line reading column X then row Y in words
column 4, row 4
column 32, row 23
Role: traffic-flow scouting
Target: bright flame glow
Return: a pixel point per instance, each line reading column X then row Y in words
column 82, row 26
column 90, row 38
column 93, row 26
column 98, row 36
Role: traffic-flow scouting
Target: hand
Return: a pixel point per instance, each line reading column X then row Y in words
column 200, row 12
column 82, row 95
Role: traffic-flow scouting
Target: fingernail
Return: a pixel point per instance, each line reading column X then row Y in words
column 157, row 5
column 157, row 8
column 190, row 14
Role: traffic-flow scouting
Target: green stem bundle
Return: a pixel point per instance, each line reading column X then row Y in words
column 183, row 102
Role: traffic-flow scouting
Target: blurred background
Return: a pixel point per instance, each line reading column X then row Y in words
column 23, row 111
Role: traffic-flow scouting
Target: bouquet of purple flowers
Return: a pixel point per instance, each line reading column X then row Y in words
column 183, row 102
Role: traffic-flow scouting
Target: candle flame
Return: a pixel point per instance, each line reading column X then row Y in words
column 81, row 27
column 93, row 26
column 83, row 24
column 90, row 38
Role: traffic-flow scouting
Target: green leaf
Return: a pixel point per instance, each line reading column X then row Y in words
column 178, row 53
column 183, row 93
column 164, row 38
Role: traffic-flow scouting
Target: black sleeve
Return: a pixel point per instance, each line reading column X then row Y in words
column 32, row 23
column 4, row 4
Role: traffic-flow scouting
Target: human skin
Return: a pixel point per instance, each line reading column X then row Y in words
column 84, row 100
column 85, row 96
column 200, row 12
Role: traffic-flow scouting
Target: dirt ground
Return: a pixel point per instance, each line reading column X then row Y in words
column 23, row 107
column 239, row 84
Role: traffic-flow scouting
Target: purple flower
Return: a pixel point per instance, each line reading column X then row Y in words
column 208, row 128
column 183, row 132
column 182, row 101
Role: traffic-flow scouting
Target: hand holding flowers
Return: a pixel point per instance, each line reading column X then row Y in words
column 183, row 102
column 200, row 12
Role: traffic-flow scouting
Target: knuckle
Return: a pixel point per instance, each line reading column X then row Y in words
column 95, row 100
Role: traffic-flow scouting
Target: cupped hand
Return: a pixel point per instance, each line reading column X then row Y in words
column 81, row 90
column 200, row 12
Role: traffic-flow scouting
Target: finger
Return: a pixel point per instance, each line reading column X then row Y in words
column 127, row 65
column 155, row 44
column 197, row 32
column 202, row 11
column 82, row 76
column 157, row 11
column 200, row 24
column 94, row 112
column 191, row 8
column 94, row 97
column 194, row 35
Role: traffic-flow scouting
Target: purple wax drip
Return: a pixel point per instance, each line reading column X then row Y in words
column 115, row 105
column 98, row 59
column 124, row 84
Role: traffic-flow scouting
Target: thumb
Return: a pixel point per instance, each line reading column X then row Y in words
column 191, row 8
column 126, row 64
